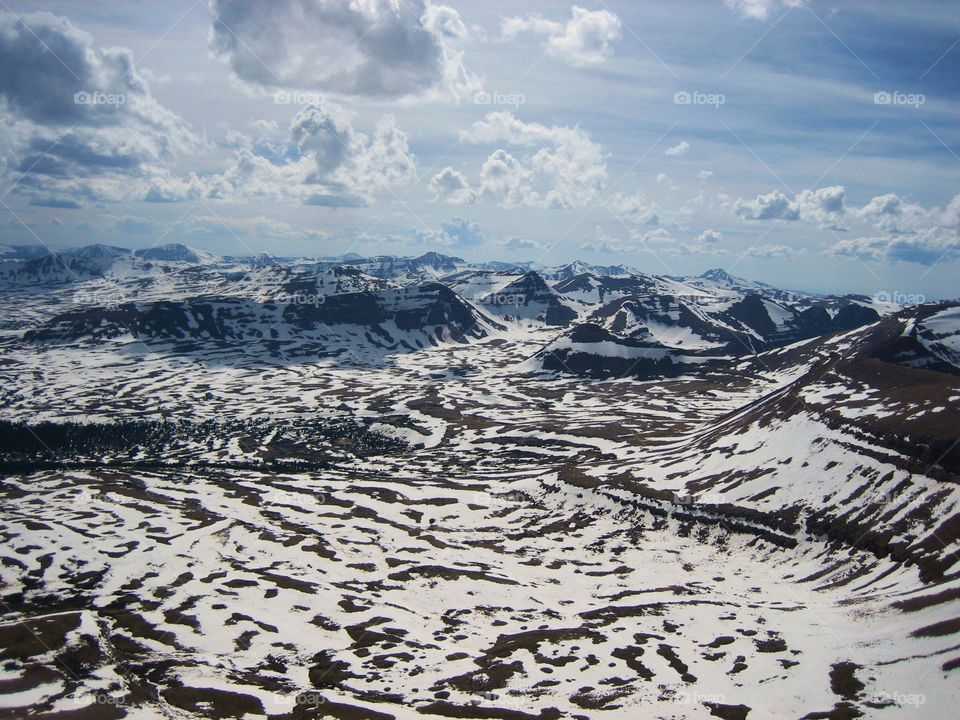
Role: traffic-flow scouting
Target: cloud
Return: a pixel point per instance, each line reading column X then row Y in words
column 706, row 243
column 771, row 252
column 444, row 22
column 566, row 162
column 951, row 214
column 463, row 233
column 606, row 247
column 506, row 181
column 633, row 209
column 888, row 204
column 908, row 232
column 367, row 48
column 761, row 9
column 685, row 249
column 53, row 75
column 386, row 161
column 825, row 206
column 772, row 206
column 135, row 225
column 323, row 131
column 325, row 162
column 172, row 189
column 603, row 243
column 334, row 201
column 256, row 229
column 583, row 41
column 925, row 248
column 892, row 214
column 658, row 242
column 705, row 174
column 516, row 243
column 456, row 233
column 678, row 150
column 81, row 123
column 52, row 202
column 657, row 236
column 451, row 186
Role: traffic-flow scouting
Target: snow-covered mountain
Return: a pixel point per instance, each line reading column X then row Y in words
column 565, row 272
column 939, row 334
column 528, row 299
column 307, row 488
column 609, row 320
column 175, row 252
column 430, row 265
column 319, row 315
column 57, row 268
column 663, row 329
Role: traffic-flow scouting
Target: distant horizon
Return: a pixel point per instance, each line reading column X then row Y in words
column 794, row 141
column 895, row 293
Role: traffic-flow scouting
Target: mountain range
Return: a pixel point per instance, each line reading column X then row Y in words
column 609, row 321
column 390, row 488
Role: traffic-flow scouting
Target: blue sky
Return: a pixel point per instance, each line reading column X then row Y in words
column 808, row 144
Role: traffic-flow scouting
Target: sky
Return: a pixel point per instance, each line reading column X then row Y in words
column 811, row 144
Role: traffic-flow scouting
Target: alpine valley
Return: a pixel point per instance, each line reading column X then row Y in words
column 386, row 487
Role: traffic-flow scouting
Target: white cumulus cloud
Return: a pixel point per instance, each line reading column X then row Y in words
column 761, row 9
column 824, row 206
column 325, row 162
column 450, row 185
column 565, row 168
column 771, row 252
column 371, row 48
column 80, row 122
column 586, row 39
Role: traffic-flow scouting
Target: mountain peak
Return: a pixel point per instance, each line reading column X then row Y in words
column 576, row 267
column 175, row 252
column 99, row 250
column 718, row 275
column 532, row 277
column 435, row 259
